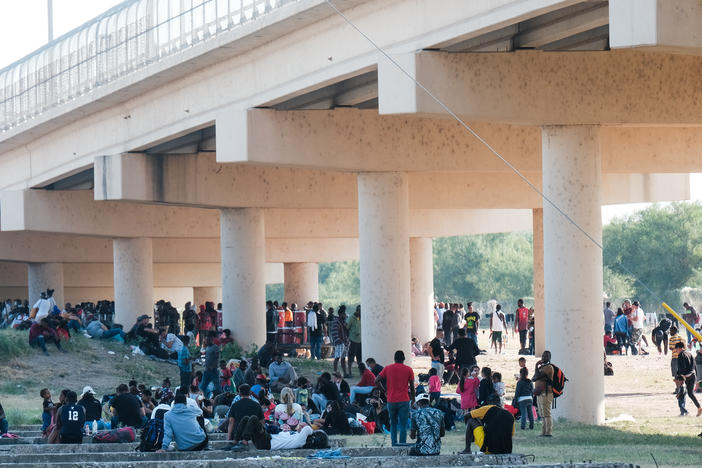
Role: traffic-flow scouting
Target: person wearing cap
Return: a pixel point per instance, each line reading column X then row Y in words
column 93, row 408
column 261, row 382
column 427, row 427
column 140, row 327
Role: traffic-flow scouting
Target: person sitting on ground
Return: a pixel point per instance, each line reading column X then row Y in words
column 490, row 427
column 365, row 385
column 373, row 366
column 72, row 417
column 147, row 402
column 288, row 414
column 238, row 411
column 341, row 384
column 253, row 430
column 221, row 404
column 281, row 373
column 336, row 421
column 224, row 338
column 266, row 354
column 93, row 408
column 140, row 329
column 96, row 329
column 128, row 410
column 610, row 344
column 4, row 425
column 302, row 392
column 427, row 427
column 225, row 376
column 251, row 372
column 238, row 376
column 41, row 333
column 416, row 348
column 170, row 343
column 180, row 424
column 261, row 384
column 325, row 392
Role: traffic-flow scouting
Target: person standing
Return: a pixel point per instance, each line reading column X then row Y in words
column 675, row 338
column 339, row 337
column 621, row 331
column 691, row 317
column 436, row 352
column 354, row 326
column 72, row 420
column 316, row 322
column 185, row 364
column 637, row 318
column 399, row 380
column 271, row 322
column 686, row 369
column 521, row 324
column 608, row 318
column 211, row 373
column 543, row 377
column 497, row 326
column 447, row 325
column 472, row 323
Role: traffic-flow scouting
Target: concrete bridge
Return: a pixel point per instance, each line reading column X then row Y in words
column 187, row 148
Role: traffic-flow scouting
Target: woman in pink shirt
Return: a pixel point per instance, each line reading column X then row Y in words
column 468, row 388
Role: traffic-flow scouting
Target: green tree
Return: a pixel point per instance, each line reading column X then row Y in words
column 657, row 248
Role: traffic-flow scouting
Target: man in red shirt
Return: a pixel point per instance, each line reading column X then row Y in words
column 399, row 380
column 522, row 323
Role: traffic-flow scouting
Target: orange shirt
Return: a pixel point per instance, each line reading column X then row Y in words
column 288, row 315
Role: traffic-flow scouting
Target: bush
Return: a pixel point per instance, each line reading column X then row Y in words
column 21, row 417
column 14, row 343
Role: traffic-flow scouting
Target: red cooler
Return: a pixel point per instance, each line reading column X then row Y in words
column 286, row 335
column 299, row 335
column 300, row 318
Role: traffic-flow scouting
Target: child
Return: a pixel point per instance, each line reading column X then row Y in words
column 302, row 393
column 522, row 365
column 434, row 387
column 499, row 387
column 523, row 398
column 48, row 406
column 485, row 388
column 468, row 388
column 225, row 376
column 680, row 393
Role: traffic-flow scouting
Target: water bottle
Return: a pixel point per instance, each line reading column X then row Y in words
column 95, row 427
column 86, row 429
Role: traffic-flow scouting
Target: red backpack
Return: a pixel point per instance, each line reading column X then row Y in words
column 558, row 382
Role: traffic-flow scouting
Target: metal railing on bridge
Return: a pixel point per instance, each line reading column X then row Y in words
column 119, row 42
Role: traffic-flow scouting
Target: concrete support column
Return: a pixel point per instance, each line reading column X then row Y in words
column 538, row 247
column 243, row 274
column 573, row 267
column 204, row 294
column 422, row 288
column 384, row 253
column 301, row 283
column 40, row 277
column 134, row 279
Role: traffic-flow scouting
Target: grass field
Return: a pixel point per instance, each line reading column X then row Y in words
column 642, row 424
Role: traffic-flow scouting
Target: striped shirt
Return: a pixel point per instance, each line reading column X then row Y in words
column 672, row 341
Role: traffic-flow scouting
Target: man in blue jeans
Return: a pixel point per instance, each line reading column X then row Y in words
column 211, row 373
column 399, row 384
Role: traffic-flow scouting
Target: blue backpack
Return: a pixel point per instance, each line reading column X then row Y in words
column 151, row 436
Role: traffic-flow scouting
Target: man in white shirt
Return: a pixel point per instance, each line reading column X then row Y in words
column 637, row 324
column 44, row 305
column 498, row 324
column 170, row 342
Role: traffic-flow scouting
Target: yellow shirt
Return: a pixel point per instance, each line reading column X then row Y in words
column 671, row 344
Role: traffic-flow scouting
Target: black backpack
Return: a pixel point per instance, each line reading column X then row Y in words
column 151, row 436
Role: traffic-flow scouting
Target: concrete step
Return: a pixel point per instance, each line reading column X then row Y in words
column 30, row 445
column 283, row 459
